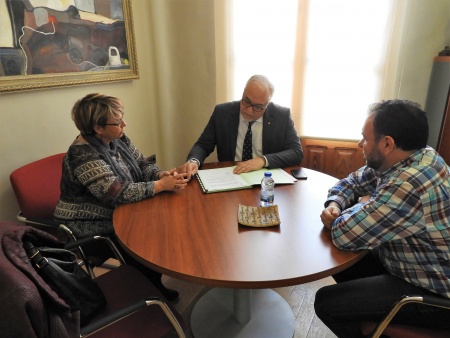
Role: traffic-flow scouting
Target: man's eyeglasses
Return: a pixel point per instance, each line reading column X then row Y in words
column 256, row 107
column 118, row 124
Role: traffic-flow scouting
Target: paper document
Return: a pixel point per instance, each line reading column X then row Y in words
column 223, row 179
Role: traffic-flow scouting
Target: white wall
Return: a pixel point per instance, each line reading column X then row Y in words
column 427, row 32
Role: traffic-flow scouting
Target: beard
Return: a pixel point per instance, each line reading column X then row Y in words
column 374, row 160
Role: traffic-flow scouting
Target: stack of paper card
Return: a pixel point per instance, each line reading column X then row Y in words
column 258, row 216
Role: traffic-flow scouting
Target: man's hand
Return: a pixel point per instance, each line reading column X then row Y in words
column 329, row 214
column 364, row 199
column 250, row 165
column 189, row 168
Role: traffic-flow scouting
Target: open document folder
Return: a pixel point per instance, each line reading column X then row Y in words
column 223, row 179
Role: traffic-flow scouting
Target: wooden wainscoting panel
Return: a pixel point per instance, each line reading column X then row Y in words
column 315, row 157
column 346, row 160
column 335, row 158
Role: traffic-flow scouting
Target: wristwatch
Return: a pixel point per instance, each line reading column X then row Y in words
column 194, row 160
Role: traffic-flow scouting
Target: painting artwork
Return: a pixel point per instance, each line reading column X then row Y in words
column 46, row 43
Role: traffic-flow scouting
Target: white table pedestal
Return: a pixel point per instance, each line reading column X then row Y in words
column 243, row 313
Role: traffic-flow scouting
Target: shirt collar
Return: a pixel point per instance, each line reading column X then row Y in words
column 241, row 119
column 406, row 162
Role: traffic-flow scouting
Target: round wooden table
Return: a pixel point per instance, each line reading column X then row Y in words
column 196, row 237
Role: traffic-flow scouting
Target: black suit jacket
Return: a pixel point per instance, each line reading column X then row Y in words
column 281, row 144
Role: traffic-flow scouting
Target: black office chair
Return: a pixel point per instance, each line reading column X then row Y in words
column 30, row 307
column 386, row 328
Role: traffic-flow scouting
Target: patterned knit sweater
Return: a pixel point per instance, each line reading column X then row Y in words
column 90, row 189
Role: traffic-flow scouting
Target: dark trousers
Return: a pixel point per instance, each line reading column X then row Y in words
column 366, row 292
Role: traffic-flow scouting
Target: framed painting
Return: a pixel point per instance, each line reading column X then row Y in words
column 50, row 43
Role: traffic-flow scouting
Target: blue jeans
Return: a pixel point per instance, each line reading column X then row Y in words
column 369, row 297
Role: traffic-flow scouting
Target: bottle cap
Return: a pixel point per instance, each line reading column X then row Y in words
column 268, row 174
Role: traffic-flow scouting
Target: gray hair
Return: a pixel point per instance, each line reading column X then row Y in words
column 261, row 79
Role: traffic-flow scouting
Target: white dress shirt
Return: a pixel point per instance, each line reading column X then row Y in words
column 257, row 129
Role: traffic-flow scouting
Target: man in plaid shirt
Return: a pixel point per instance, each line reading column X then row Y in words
column 398, row 208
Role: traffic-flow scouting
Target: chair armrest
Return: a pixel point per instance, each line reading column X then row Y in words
column 87, row 240
column 436, row 301
column 425, row 300
column 39, row 221
column 44, row 222
column 123, row 313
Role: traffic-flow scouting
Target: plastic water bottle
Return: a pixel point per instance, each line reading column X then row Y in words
column 267, row 190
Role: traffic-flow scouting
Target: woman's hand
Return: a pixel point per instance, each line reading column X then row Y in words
column 170, row 180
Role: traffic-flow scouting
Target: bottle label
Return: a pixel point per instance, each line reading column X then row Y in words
column 266, row 198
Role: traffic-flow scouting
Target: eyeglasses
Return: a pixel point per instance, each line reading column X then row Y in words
column 256, row 107
column 118, row 124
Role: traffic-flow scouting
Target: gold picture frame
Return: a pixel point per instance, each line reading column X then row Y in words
column 88, row 42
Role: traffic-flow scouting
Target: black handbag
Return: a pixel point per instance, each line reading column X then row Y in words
column 60, row 270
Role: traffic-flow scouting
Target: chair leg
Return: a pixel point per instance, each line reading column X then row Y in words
column 176, row 325
column 80, row 251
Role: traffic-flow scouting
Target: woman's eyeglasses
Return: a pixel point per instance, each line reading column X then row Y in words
column 118, row 124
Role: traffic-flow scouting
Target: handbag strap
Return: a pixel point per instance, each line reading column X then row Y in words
column 34, row 255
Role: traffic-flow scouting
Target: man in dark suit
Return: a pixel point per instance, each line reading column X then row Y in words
column 274, row 140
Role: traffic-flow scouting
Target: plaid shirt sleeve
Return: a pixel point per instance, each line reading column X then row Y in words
column 394, row 211
column 347, row 192
column 406, row 222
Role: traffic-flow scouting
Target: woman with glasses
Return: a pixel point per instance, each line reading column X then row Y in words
column 102, row 169
column 254, row 132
